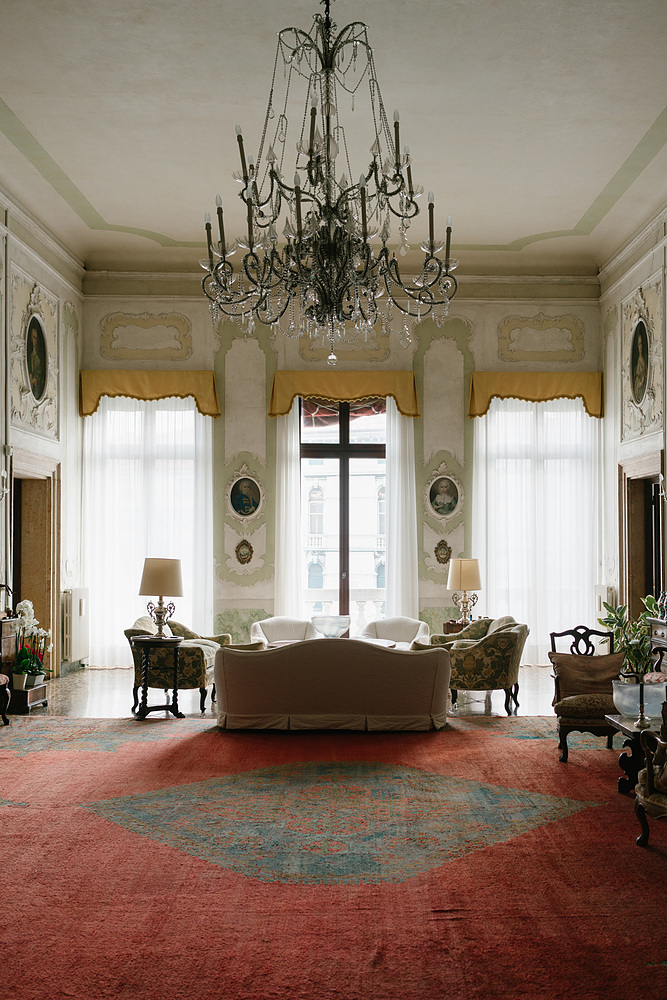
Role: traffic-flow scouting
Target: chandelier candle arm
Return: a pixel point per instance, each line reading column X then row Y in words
column 431, row 209
column 207, row 224
column 221, row 227
column 397, row 141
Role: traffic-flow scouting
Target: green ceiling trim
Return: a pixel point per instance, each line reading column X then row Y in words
column 638, row 160
column 26, row 144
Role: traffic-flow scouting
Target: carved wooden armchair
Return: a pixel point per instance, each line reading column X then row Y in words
column 584, row 692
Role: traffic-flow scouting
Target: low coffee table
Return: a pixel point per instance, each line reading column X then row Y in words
column 632, row 762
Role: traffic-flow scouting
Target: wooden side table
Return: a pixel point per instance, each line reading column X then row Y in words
column 450, row 628
column 146, row 643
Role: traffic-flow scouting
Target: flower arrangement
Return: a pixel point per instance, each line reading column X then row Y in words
column 632, row 636
column 32, row 642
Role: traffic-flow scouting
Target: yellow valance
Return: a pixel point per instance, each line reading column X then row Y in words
column 344, row 386
column 148, row 385
column 536, row 387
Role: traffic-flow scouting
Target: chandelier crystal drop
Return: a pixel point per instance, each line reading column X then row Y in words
column 315, row 260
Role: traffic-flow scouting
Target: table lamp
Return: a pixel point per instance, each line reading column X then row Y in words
column 464, row 575
column 160, row 577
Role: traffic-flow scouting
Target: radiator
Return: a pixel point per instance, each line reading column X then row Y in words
column 74, row 607
column 607, row 595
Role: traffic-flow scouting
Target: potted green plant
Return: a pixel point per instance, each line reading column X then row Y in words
column 632, row 637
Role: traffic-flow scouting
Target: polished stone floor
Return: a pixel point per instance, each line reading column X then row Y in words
column 107, row 694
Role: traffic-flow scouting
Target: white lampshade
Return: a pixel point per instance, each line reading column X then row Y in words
column 162, row 578
column 463, row 575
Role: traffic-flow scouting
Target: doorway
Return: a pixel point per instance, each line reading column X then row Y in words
column 641, row 531
column 36, row 543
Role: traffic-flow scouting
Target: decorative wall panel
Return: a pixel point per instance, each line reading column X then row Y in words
column 145, row 337
column 541, row 338
column 245, row 400
column 642, row 373
column 34, row 356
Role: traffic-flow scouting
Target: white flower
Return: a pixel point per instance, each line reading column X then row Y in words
column 26, row 613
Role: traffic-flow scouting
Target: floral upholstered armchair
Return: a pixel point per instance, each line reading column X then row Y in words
column 195, row 661
column 486, row 656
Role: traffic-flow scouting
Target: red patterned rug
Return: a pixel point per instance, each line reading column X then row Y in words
column 167, row 859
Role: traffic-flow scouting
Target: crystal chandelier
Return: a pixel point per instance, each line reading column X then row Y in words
column 333, row 278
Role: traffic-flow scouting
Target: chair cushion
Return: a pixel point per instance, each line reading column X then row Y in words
column 579, row 675
column 593, row 706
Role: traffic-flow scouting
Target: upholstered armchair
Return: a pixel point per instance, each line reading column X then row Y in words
column 583, row 684
column 282, row 629
column 195, row 661
column 401, row 630
column 488, row 661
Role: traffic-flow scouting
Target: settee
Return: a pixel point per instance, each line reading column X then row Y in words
column 332, row 684
column 195, row 660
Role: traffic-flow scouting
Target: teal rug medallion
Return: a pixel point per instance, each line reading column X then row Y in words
column 335, row 823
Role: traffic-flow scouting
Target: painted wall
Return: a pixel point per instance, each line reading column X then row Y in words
column 514, row 326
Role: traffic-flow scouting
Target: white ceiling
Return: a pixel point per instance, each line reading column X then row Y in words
column 537, row 123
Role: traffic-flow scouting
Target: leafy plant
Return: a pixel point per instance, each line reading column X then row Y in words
column 632, row 636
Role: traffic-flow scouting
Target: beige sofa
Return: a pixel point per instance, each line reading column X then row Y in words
column 332, row 684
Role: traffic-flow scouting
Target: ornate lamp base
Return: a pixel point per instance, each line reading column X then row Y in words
column 465, row 604
column 160, row 614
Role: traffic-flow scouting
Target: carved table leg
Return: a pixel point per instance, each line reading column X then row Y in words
column 640, row 812
column 174, row 701
column 143, row 708
column 631, row 764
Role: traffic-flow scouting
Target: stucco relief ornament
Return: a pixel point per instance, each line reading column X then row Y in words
column 34, row 360
column 642, row 371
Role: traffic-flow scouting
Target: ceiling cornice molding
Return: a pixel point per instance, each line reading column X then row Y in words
column 623, row 256
column 13, row 209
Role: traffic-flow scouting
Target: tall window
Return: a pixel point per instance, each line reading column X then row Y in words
column 343, row 497
column 382, row 511
column 535, row 515
column 147, row 492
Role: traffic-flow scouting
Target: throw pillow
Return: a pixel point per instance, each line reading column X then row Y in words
column 585, row 674
column 178, row 629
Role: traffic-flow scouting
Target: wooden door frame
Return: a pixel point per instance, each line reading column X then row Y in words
column 647, row 466
column 27, row 465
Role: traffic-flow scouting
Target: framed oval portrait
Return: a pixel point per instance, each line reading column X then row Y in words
column 245, row 497
column 36, row 358
column 639, row 362
column 443, row 495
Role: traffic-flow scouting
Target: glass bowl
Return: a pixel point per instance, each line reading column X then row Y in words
column 331, row 626
column 626, row 698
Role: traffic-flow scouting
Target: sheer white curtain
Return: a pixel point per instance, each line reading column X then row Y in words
column 402, row 594
column 287, row 595
column 147, row 492
column 535, row 523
